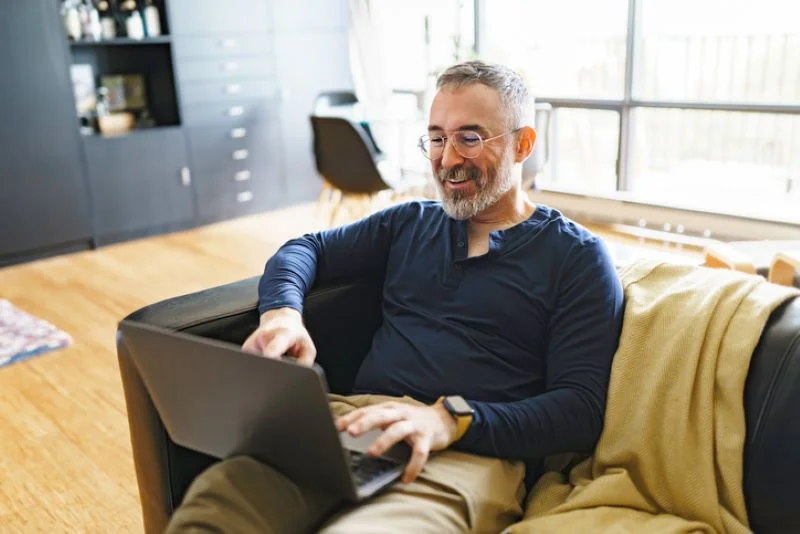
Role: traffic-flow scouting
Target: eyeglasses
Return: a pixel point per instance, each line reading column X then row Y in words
column 468, row 144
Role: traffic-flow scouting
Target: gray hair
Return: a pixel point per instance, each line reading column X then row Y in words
column 513, row 90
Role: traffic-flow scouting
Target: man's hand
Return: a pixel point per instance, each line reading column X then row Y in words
column 281, row 333
column 424, row 428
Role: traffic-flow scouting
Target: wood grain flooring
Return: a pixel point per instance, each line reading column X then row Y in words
column 65, row 454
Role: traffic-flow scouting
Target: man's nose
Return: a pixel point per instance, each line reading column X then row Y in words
column 450, row 157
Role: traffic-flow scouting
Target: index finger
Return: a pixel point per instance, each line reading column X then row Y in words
column 347, row 419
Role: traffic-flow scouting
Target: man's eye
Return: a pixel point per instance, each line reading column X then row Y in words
column 437, row 141
column 470, row 140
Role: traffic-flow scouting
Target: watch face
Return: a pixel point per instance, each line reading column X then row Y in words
column 458, row 406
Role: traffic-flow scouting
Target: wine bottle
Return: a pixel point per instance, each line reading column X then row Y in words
column 90, row 21
column 152, row 21
column 72, row 19
column 107, row 22
column 134, row 26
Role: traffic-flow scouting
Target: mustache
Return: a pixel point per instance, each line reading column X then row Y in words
column 459, row 173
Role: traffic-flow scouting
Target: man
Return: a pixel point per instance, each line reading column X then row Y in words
column 488, row 300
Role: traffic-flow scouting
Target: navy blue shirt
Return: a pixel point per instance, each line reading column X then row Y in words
column 526, row 333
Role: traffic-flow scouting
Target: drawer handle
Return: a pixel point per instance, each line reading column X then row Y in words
column 240, row 154
column 186, row 176
column 236, row 111
column 230, row 66
column 228, row 43
column 238, row 133
column 233, row 89
column 244, row 196
column 242, row 176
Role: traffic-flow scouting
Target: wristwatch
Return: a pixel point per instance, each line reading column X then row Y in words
column 461, row 411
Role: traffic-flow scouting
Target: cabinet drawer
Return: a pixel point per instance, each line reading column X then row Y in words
column 192, row 70
column 222, row 194
column 215, row 195
column 212, row 148
column 223, row 46
column 228, row 114
column 227, row 91
column 193, row 17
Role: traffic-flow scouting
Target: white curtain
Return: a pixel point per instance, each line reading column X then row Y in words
column 367, row 62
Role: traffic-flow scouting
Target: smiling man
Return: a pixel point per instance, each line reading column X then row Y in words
column 500, row 319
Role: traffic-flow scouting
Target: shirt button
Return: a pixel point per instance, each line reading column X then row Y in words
column 460, row 243
column 458, row 266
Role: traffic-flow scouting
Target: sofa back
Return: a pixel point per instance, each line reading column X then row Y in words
column 772, row 412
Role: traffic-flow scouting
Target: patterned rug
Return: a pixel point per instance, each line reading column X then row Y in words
column 24, row 336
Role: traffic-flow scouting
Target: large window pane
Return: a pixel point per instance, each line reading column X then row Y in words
column 584, row 150
column 420, row 38
column 568, row 48
column 719, row 50
column 741, row 163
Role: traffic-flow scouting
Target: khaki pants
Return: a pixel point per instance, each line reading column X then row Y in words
column 456, row 492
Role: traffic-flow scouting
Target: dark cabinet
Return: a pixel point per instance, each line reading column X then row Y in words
column 230, row 87
column 138, row 182
column 227, row 78
column 199, row 17
column 43, row 201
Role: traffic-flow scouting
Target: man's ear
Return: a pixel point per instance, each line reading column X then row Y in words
column 526, row 140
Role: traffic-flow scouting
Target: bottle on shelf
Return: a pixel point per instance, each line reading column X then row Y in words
column 152, row 21
column 134, row 25
column 90, row 21
column 72, row 19
column 107, row 22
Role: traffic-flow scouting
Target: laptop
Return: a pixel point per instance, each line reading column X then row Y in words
column 215, row 398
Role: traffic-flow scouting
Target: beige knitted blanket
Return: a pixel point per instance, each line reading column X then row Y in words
column 670, row 458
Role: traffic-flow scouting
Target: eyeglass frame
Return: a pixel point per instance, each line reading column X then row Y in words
column 446, row 138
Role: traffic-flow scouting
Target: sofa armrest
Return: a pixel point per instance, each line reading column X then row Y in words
column 341, row 319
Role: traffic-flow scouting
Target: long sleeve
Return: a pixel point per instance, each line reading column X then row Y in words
column 583, row 337
column 354, row 250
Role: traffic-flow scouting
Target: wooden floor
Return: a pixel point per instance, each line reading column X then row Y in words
column 65, row 455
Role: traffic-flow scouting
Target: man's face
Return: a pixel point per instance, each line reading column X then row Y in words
column 470, row 185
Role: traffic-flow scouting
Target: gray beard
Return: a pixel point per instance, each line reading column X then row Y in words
column 490, row 189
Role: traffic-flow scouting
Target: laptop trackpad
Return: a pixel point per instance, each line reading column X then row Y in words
column 399, row 453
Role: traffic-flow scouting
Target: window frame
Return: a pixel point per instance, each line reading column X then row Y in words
column 622, row 207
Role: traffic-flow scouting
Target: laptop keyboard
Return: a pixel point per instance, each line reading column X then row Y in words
column 365, row 468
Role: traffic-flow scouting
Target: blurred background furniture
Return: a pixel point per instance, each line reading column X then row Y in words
column 344, row 104
column 229, row 88
column 785, row 268
column 758, row 257
column 349, row 164
column 357, row 174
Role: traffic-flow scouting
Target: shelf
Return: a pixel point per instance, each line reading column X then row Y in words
column 124, row 41
column 134, row 132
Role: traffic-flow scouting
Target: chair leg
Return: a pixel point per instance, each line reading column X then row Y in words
column 337, row 200
column 324, row 201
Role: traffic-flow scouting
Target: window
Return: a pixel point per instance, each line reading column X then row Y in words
column 417, row 40
column 567, row 48
column 727, row 51
column 740, row 163
column 692, row 104
column 583, row 150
